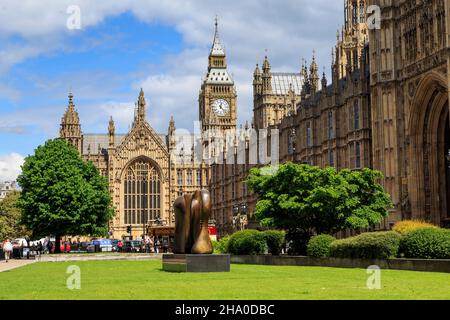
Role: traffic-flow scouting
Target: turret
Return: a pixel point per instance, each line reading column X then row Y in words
column 314, row 75
column 111, row 132
column 266, row 77
column 257, row 81
column 70, row 125
column 171, row 134
column 141, row 107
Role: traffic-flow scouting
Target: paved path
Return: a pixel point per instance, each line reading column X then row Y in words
column 14, row 263
column 92, row 256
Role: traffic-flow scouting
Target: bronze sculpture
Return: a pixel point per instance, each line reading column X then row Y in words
column 192, row 212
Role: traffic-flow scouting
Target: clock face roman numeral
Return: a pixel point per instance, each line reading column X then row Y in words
column 220, row 107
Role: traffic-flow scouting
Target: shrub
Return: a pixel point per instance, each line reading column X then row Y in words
column 405, row 226
column 297, row 242
column 221, row 246
column 249, row 242
column 426, row 243
column 319, row 246
column 274, row 240
column 370, row 245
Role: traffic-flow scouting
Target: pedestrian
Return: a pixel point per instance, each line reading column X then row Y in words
column 7, row 249
column 165, row 245
column 119, row 246
column 49, row 246
column 157, row 244
column 151, row 245
column 147, row 244
column 39, row 248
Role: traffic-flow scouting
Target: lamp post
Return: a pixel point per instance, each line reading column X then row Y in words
column 243, row 217
column 235, row 213
column 143, row 223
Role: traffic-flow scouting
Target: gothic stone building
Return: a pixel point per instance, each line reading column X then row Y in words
column 147, row 170
column 387, row 108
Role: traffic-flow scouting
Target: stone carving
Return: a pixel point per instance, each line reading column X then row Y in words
column 192, row 212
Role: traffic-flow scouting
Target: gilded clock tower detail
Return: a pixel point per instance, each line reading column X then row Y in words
column 217, row 99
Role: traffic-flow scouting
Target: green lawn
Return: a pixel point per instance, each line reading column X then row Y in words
column 145, row 280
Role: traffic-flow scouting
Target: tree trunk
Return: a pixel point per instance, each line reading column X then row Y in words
column 57, row 243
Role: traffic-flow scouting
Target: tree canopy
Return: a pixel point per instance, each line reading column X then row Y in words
column 10, row 213
column 306, row 200
column 62, row 194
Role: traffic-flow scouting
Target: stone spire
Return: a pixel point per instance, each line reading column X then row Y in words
column 141, row 107
column 314, row 74
column 111, row 132
column 266, row 76
column 305, row 78
column 324, row 81
column 217, row 48
column 257, row 81
column 217, row 56
column 70, row 129
column 171, row 133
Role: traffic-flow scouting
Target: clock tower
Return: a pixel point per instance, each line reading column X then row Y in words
column 217, row 99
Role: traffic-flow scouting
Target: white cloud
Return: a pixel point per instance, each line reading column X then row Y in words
column 288, row 29
column 10, row 166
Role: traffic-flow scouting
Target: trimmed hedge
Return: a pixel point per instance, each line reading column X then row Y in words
column 221, row 246
column 370, row 245
column 405, row 226
column 274, row 240
column 426, row 243
column 319, row 246
column 247, row 242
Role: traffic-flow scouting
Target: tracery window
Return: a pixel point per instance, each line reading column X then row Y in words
column 291, row 142
column 189, row 178
column 308, row 134
column 142, row 193
column 356, row 115
column 199, row 178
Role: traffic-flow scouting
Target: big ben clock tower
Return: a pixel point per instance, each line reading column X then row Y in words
column 217, row 99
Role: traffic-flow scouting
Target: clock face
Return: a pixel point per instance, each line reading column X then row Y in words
column 220, row 107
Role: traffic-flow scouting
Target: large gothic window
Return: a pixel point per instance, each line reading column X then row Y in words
column 142, row 193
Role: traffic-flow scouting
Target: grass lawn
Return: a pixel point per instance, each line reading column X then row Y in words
column 146, row 280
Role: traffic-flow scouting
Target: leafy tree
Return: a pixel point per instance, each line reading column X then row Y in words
column 306, row 200
column 10, row 213
column 62, row 194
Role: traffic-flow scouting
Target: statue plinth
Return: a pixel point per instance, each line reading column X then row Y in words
column 193, row 248
column 196, row 262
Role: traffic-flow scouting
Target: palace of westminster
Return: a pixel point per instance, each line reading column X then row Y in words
column 386, row 107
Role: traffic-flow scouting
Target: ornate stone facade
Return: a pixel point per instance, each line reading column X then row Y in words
column 146, row 170
column 387, row 108
column 410, row 83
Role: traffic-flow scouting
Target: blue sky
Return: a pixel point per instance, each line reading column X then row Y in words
column 123, row 45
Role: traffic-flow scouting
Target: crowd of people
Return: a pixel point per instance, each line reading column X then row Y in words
column 20, row 248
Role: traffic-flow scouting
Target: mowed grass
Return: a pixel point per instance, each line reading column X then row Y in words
column 146, row 280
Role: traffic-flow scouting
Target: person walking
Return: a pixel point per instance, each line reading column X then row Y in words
column 157, row 244
column 39, row 248
column 49, row 246
column 151, row 245
column 7, row 249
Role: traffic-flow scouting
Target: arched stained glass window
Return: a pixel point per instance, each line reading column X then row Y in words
column 142, row 193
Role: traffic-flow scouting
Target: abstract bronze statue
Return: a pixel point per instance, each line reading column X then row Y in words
column 192, row 213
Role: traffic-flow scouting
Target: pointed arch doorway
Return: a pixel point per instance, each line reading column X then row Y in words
column 429, row 161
